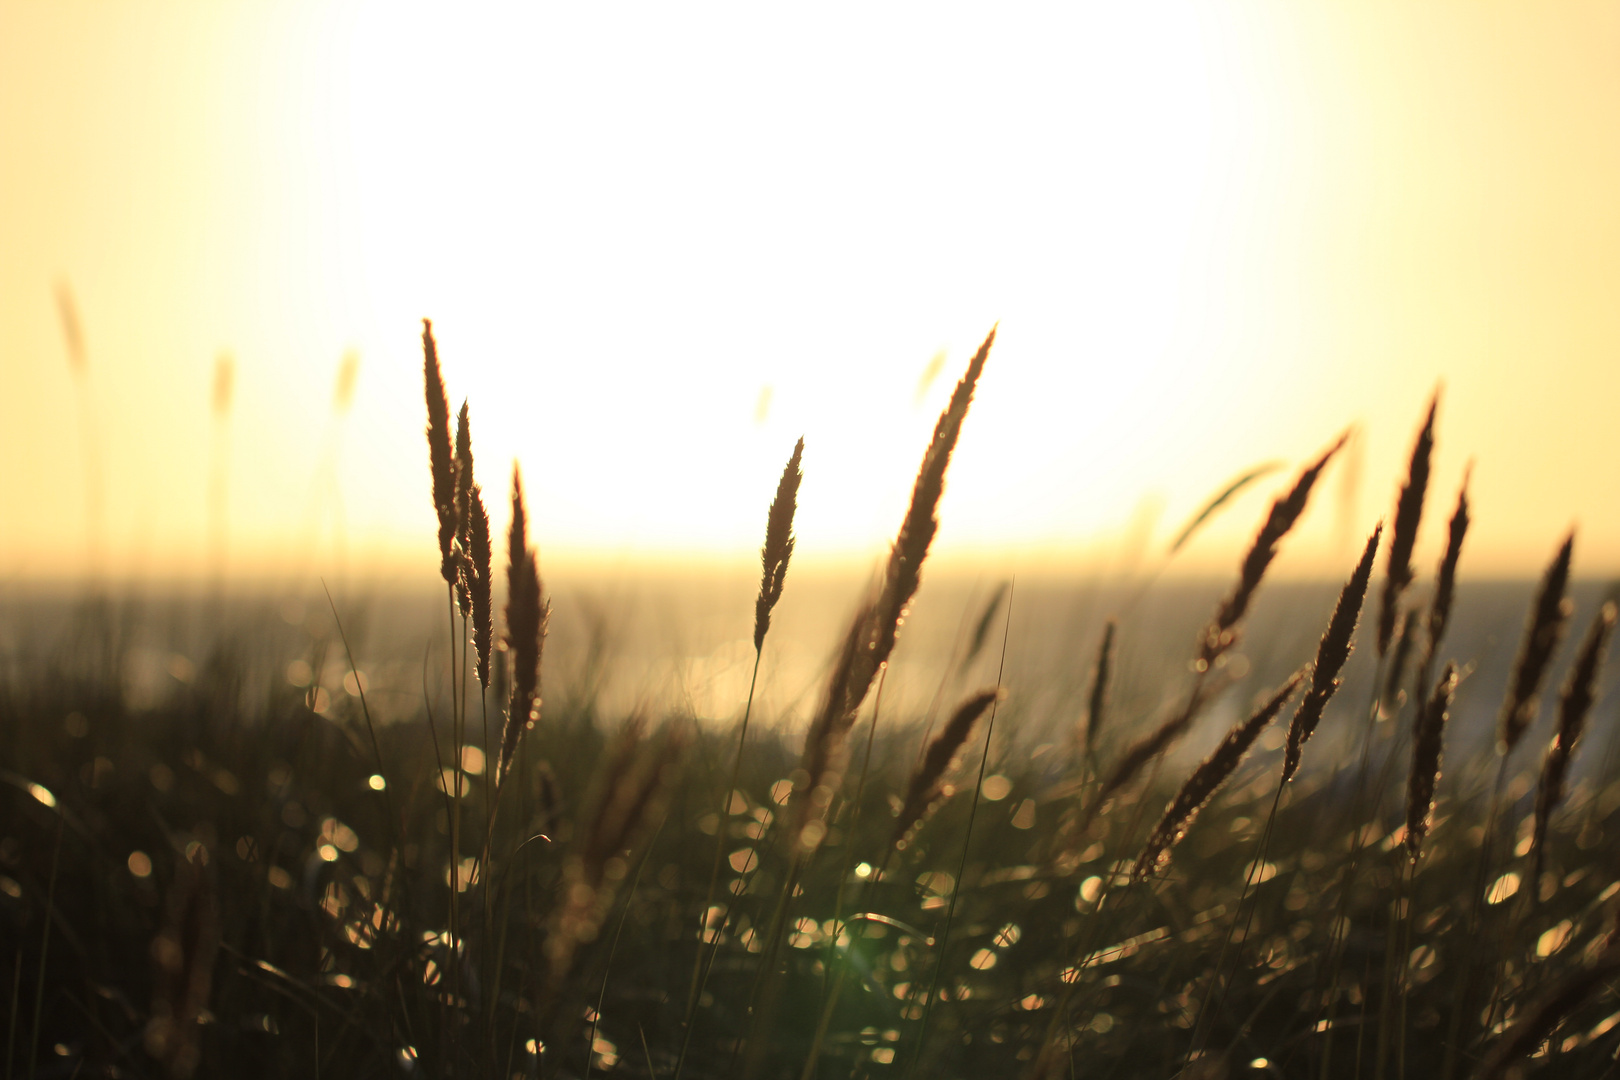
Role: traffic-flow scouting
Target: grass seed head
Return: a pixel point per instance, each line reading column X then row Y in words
column 903, row 573
column 987, row 618
column 1427, row 740
column 1408, row 515
column 1574, row 705
column 1151, row 745
column 480, row 580
column 1099, row 685
column 1207, row 779
column 439, row 453
column 1331, row 655
column 924, row 790
column 821, row 765
column 1222, row 632
column 1543, row 630
column 526, row 616
column 1445, row 588
column 778, row 547
column 1400, row 657
column 464, row 484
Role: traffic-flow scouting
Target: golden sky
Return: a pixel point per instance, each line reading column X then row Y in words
column 660, row 242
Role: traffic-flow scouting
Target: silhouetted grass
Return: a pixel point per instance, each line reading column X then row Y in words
column 225, row 882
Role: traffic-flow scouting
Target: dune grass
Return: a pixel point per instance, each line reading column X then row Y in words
column 251, row 879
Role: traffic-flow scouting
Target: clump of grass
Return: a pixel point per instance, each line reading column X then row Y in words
column 968, row 949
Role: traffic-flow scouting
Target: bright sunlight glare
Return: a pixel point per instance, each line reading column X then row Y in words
column 659, row 244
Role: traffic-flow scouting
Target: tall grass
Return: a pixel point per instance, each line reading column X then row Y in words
column 256, row 879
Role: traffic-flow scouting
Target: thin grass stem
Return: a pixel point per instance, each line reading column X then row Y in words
column 1210, row 1005
column 455, row 839
column 44, row 950
column 1465, row 970
column 607, row 966
column 365, row 710
column 967, row 846
column 833, row 972
column 16, row 1007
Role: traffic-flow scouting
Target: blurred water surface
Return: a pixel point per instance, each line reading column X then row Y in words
column 665, row 643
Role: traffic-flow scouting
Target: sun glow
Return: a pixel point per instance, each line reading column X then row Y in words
column 659, row 245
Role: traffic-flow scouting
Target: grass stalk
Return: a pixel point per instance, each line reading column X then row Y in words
column 833, row 972
column 967, row 846
column 702, row 963
column 1409, row 871
column 1465, row 970
column 16, row 1007
column 455, row 842
column 613, row 947
column 1333, row 961
column 1210, row 1005
column 722, row 833
column 371, row 727
column 44, row 950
